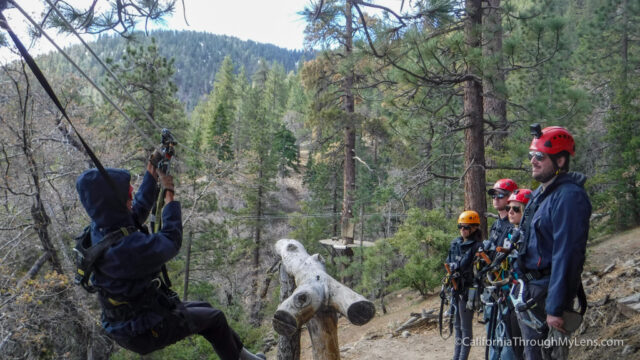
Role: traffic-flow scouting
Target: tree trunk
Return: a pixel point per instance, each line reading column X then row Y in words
column 323, row 331
column 335, row 204
column 256, row 305
column 40, row 218
column 494, row 99
column 288, row 346
column 474, row 179
column 349, row 180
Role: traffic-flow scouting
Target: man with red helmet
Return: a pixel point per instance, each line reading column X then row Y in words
column 499, row 193
column 555, row 228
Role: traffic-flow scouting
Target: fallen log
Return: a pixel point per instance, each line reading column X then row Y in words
column 316, row 301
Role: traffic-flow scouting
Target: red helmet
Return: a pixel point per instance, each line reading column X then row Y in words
column 553, row 140
column 507, row 185
column 521, row 195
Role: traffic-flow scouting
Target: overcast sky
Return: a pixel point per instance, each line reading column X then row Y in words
column 266, row 21
column 276, row 22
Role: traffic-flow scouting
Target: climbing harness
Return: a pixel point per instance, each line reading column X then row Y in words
column 87, row 254
column 523, row 307
column 447, row 309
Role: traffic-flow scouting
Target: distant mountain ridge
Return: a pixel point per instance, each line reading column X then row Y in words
column 198, row 56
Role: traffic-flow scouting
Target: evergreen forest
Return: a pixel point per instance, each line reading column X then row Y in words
column 380, row 133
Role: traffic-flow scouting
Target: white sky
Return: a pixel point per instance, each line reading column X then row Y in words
column 264, row 21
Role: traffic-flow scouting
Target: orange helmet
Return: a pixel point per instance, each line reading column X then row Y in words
column 552, row 140
column 469, row 217
column 521, row 195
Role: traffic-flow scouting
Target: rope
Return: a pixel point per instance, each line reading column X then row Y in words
column 47, row 87
column 37, row 26
column 72, row 29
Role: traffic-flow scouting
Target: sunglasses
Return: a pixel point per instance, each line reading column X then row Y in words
column 498, row 196
column 466, row 227
column 538, row 155
column 516, row 209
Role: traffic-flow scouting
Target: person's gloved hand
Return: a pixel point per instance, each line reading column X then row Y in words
column 166, row 181
column 453, row 266
column 155, row 157
column 487, row 245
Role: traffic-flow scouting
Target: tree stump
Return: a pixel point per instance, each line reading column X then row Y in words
column 316, row 301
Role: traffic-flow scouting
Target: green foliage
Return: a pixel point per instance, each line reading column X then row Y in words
column 422, row 241
column 147, row 76
column 284, row 145
column 377, row 271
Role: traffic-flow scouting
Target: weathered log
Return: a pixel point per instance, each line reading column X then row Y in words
column 288, row 346
column 316, row 300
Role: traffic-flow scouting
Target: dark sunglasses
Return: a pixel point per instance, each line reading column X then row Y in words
column 538, row 155
column 466, row 227
column 516, row 209
column 498, row 196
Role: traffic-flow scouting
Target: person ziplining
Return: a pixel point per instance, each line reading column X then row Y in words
column 140, row 311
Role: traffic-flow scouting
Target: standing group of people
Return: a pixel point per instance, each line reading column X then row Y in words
column 526, row 276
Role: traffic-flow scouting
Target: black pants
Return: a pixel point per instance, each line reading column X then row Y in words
column 187, row 319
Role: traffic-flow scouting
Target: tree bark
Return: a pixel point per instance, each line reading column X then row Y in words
column 40, row 218
column 349, row 180
column 323, row 331
column 288, row 346
column 494, row 100
column 256, row 305
column 474, row 162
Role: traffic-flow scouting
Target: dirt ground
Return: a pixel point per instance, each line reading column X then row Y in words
column 374, row 340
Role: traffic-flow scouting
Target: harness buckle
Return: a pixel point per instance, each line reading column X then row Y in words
column 522, row 308
column 156, row 283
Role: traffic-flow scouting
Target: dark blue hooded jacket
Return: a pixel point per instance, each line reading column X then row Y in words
column 125, row 269
column 557, row 239
column 499, row 231
column 462, row 253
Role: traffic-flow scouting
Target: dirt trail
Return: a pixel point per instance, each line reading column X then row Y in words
column 374, row 339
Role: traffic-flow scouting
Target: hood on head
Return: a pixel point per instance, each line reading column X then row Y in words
column 576, row 178
column 106, row 209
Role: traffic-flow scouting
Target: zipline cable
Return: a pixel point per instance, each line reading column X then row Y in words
column 72, row 29
column 151, row 120
column 47, row 87
column 37, row 26
column 110, row 72
column 140, row 131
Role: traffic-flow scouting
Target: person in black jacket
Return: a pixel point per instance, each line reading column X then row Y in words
column 555, row 228
column 139, row 311
column 499, row 193
column 460, row 261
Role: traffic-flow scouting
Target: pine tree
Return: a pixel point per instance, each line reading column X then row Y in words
column 147, row 76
